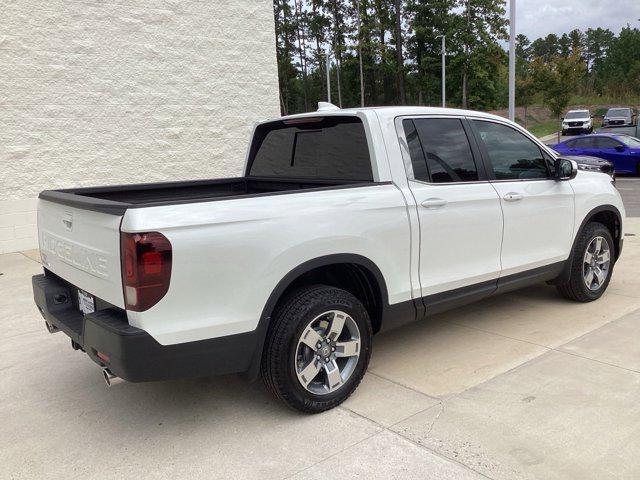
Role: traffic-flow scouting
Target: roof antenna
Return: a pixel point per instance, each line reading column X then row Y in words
column 327, row 107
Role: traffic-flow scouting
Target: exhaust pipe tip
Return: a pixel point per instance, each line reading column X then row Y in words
column 50, row 327
column 109, row 378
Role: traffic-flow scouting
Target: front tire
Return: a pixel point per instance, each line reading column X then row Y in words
column 592, row 264
column 317, row 349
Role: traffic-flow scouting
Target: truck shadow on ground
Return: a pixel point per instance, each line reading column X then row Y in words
column 149, row 405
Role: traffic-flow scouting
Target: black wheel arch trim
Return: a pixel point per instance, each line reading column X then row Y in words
column 588, row 216
column 293, row 275
column 564, row 276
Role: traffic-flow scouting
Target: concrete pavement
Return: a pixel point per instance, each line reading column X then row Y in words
column 628, row 188
column 525, row 385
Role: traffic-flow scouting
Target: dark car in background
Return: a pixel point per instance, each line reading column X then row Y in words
column 621, row 150
column 592, row 164
column 619, row 116
column 630, row 130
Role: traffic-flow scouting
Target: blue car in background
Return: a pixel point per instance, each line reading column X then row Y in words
column 621, row 150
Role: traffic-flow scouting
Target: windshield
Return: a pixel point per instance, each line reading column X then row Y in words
column 629, row 141
column 573, row 115
column 619, row 112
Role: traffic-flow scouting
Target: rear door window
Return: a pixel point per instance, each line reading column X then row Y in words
column 605, row 143
column 440, row 151
column 328, row 148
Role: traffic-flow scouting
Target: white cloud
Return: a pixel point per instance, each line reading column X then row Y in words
column 538, row 18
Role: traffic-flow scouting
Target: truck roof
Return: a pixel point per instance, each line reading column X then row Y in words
column 386, row 112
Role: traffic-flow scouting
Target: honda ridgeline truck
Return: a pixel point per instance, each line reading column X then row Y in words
column 345, row 223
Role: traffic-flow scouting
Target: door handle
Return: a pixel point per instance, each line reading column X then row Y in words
column 513, row 197
column 434, row 203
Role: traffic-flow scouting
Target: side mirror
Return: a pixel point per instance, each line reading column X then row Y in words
column 619, row 148
column 592, row 116
column 565, row 169
column 561, row 118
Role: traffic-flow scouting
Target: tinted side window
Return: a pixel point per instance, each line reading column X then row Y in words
column 512, row 155
column 604, row 142
column 446, row 149
column 322, row 148
column 587, row 142
column 418, row 161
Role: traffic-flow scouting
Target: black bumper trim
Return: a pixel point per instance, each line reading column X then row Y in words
column 134, row 355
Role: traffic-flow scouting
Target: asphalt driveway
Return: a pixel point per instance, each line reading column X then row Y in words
column 524, row 385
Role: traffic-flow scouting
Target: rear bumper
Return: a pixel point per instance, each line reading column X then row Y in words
column 132, row 353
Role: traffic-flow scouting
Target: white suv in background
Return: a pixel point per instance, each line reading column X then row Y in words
column 577, row 121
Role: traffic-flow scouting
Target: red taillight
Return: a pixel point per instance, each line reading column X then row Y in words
column 146, row 269
column 103, row 357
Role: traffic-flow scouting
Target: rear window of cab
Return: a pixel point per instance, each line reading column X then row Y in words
column 323, row 148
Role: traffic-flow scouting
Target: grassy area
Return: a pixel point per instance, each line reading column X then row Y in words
column 544, row 128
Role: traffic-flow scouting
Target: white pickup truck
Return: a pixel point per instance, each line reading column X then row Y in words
column 345, row 223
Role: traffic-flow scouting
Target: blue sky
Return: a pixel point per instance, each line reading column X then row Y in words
column 537, row 18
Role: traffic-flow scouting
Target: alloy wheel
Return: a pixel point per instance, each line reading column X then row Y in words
column 327, row 352
column 596, row 263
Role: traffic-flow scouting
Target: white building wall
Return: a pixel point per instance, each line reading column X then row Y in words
column 121, row 91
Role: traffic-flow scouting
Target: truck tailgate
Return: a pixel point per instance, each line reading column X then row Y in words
column 82, row 247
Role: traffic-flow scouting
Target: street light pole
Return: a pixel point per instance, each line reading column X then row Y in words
column 512, row 60
column 360, row 56
column 328, row 76
column 444, row 72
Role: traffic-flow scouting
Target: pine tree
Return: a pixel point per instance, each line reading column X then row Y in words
column 402, row 94
column 428, row 19
column 483, row 24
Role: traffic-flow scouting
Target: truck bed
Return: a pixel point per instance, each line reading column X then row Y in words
column 116, row 200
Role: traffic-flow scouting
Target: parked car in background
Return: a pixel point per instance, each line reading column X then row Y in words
column 577, row 121
column 592, row 164
column 621, row 150
column 619, row 117
column 629, row 130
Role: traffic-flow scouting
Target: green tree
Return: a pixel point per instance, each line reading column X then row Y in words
column 318, row 31
column 390, row 51
column 526, row 90
column 338, row 29
column 482, row 23
column 577, row 41
column 597, row 43
column 428, row 19
column 621, row 67
column 556, row 79
column 546, row 48
column 285, row 47
column 397, row 33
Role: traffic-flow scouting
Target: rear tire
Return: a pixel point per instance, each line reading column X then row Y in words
column 317, row 349
column 592, row 262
